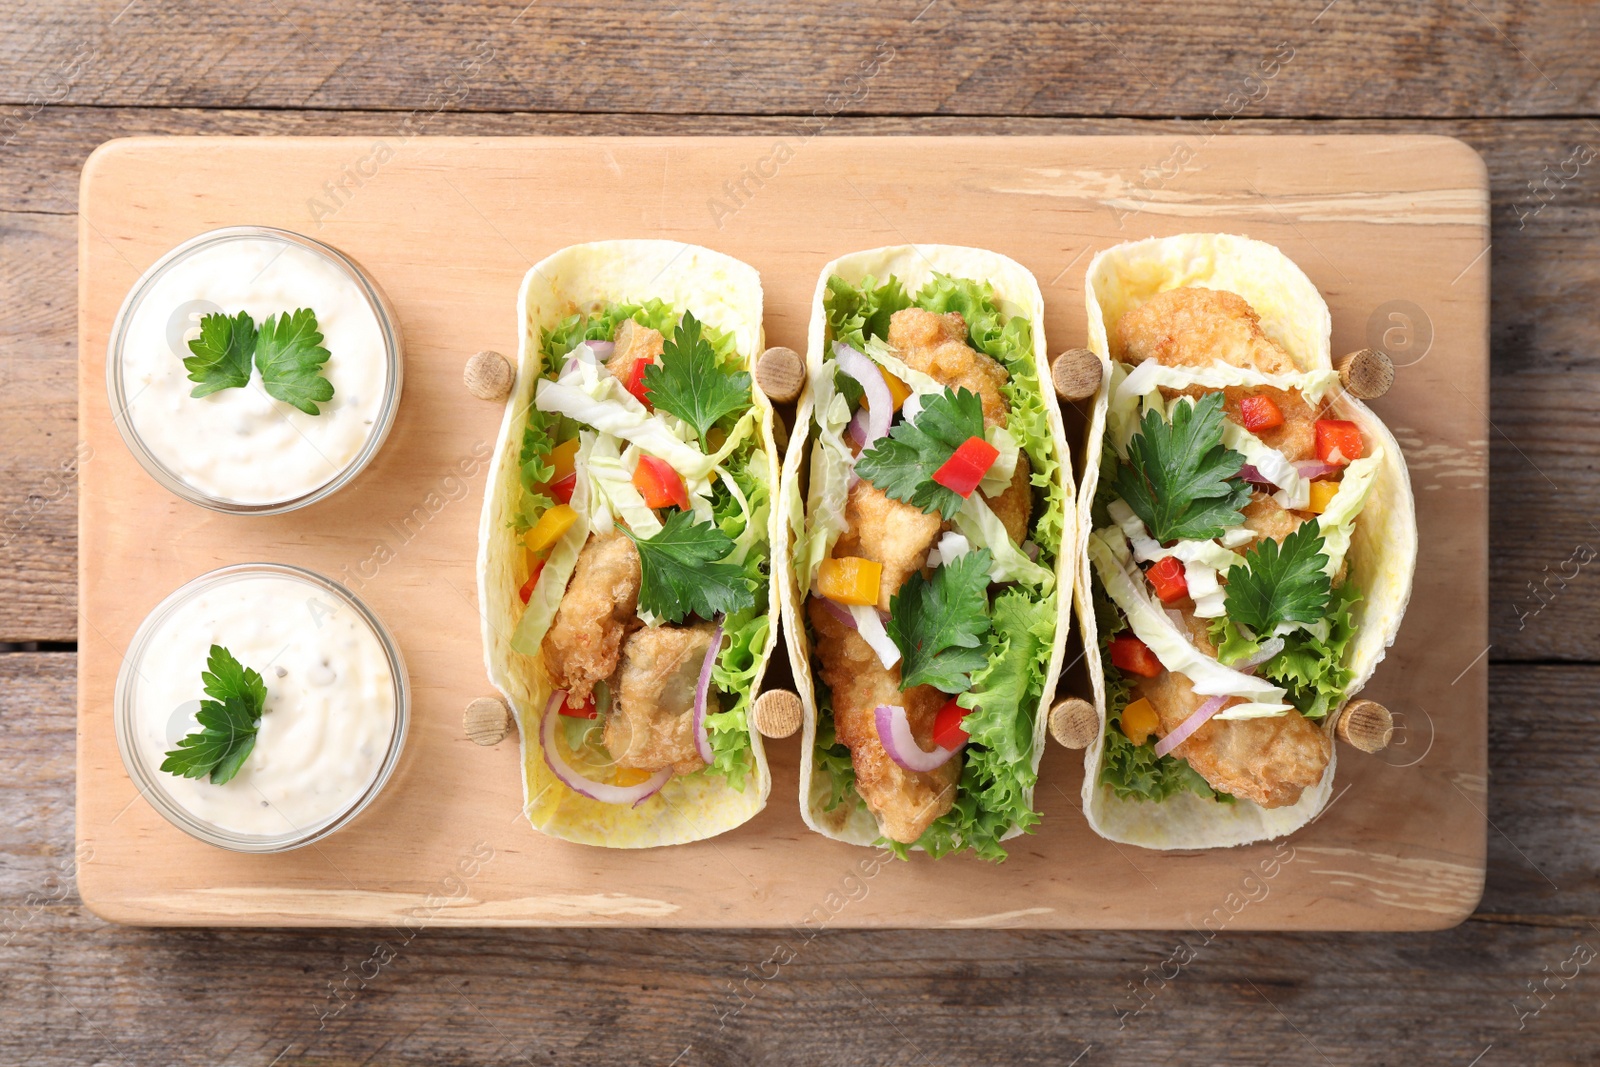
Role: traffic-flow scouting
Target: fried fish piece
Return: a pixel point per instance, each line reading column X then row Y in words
column 597, row 611
column 651, row 724
column 634, row 342
column 1198, row 328
column 1015, row 504
column 1268, row 518
column 1268, row 761
column 937, row 346
column 889, row 532
column 904, row 802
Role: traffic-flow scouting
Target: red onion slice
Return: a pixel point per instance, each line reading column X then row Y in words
column 702, row 697
column 842, row 613
column 606, row 794
column 1031, row 550
column 1250, row 474
column 880, row 405
column 602, row 349
column 1312, row 469
column 1190, row 725
column 857, row 429
column 894, row 730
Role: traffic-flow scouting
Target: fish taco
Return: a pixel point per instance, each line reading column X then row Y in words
column 625, row 565
column 1249, row 540
column 926, row 497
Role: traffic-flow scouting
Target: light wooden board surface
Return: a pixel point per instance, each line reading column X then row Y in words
column 448, row 226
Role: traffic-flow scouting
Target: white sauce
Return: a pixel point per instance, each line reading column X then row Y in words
column 240, row 444
column 330, row 711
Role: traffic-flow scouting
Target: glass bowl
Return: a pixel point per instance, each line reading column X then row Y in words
column 162, row 691
column 165, row 330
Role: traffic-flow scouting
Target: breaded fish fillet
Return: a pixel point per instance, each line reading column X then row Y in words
column 634, row 342
column 598, row 609
column 1269, row 761
column 937, row 346
column 905, row 802
column 1198, row 328
column 1015, row 504
column 890, row 532
column 651, row 724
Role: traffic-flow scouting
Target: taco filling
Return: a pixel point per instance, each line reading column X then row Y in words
column 1227, row 498
column 643, row 519
column 934, row 517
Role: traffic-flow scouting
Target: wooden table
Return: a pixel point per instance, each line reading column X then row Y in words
column 1515, row 983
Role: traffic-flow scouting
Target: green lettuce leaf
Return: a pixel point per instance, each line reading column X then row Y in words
column 735, row 671
column 1312, row 671
column 857, row 312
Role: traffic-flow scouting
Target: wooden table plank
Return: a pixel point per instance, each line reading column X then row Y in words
column 1286, row 57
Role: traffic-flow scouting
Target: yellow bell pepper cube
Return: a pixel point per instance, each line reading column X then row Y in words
column 1139, row 721
column 564, row 458
column 898, row 390
column 850, row 580
column 551, row 525
column 1322, row 494
column 630, row 776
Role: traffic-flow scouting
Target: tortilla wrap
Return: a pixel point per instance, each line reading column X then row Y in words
column 1018, row 294
column 1383, row 549
column 723, row 293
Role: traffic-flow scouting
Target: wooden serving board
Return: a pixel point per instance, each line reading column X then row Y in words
column 1394, row 230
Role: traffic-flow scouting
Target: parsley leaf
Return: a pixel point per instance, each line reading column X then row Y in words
column 222, row 353
column 680, row 572
column 228, row 721
column 1280, row 584
column 290, row 356
column 689, row 383
column 903, row 464
column 1177, row 475
column 937, row 624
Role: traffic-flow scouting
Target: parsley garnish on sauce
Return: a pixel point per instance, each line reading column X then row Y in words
column 1177, row 477
column 228, row 721
column 903, row 463
column 680, row 573
column 286, row 349
column 222, row 353
column 937, row 623
column 1278, row 584
column 689, row 383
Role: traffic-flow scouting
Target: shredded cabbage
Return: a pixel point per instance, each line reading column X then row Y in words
column 612, row 492
column 1337, row 521
column 997, row 479
column 552, row 583
column 831, row 466
column 982, row 528
column 1109, row 551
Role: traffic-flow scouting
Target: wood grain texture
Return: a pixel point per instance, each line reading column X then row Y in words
column 82, row 988
column 1352, row 58
column 1401, row 853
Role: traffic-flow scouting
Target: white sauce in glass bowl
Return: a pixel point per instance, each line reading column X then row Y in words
column 330, row 712
column 240, row 445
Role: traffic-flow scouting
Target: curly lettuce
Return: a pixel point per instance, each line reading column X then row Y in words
column 1312, row 670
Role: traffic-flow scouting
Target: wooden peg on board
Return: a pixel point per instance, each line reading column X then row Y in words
column 488, row 376
column 781, row 373
column 1366, row 373
column 486, row 721
column 1365, row 724
column 777, row 713
column 1074, row 722
column 1076, row 374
